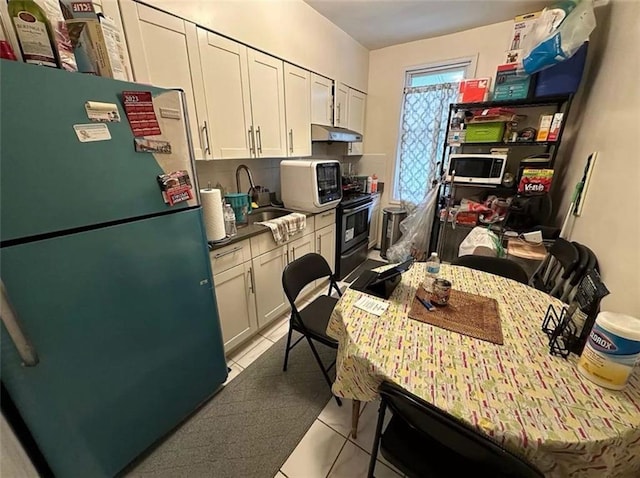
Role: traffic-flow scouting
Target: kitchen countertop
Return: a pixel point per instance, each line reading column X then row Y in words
column 251, row 230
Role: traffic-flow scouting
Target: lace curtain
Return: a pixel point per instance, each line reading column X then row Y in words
column 422, row 138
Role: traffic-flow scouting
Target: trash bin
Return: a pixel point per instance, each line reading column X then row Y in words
column 391, row 219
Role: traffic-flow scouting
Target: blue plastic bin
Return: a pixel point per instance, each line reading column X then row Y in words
column 564, row 78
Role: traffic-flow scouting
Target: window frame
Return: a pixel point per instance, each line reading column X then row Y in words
column 469, row 63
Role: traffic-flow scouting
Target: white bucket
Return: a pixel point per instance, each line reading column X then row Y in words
column 611, row 351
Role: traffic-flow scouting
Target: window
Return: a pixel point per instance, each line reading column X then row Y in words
column 427, row 94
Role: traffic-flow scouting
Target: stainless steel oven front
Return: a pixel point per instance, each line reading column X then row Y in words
column 355, row 225
column 352, row 234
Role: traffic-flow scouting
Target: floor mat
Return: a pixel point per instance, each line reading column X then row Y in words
column 251, row 426
column 365, row 266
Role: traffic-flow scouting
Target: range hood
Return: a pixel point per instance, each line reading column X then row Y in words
column 330, row 133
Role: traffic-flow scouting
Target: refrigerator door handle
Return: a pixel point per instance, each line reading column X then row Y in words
column 9, row 318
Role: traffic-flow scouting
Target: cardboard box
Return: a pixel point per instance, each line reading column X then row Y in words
column 556, row 124
column 475, row 90
column 511, row 84
column 522, row 26
column 544, row 127
column 97, row 41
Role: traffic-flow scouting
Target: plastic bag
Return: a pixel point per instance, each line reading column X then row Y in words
column 483, row 238
column 416, row 232
column 558, row 33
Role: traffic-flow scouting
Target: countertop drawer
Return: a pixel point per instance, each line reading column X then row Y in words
column 265, row 243
column 230, row 256
column 325, row 219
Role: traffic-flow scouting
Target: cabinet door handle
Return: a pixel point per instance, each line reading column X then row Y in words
column 259, row 136
column 291, row 140
column 287, row 255
column 252, row 144
column 226, row 253
column 319, row 244
column 10, row 320
column 326, row 214
column 339, row 105
column 350, row 147
column 252, row 284
column 293, row 253
column 205, row 130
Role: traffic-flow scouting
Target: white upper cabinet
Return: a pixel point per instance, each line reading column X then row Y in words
column 356, row 105
column 297, row 95
column 162, row 48
column 227, row 105
column 321, row 100
column 355, row 111
column 341, row 105
column 244, row 92
column 266, row 80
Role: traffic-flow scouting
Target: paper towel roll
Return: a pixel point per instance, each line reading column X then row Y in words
column 213, row 214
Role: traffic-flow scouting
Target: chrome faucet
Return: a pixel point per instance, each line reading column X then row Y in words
column 251, row 184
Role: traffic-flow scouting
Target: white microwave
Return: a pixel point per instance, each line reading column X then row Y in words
column 477, row 168
column 310, row 185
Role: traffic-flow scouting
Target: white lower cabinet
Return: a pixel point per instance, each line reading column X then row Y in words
column 271, row 301
column 326, row 244
column 236, row 304
column 250, row 294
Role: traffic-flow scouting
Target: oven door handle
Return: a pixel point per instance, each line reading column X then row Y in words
column 357, row 209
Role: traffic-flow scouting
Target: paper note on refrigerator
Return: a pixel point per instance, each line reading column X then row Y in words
column 88, row 133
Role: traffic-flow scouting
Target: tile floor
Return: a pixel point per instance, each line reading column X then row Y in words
column 326, row 450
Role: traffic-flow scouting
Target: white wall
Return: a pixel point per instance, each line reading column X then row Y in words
column 387, row 73
column 607, row 122
column 289, row 29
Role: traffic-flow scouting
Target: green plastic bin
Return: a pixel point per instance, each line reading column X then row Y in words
column 490, row 132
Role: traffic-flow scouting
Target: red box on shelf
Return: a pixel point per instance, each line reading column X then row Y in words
column 535, row 181
column 475, row 90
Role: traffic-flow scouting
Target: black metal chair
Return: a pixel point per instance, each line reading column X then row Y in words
column 556, row 269
column 423, row 441
column 587, row 261
column 494, row 265
column 312, row 320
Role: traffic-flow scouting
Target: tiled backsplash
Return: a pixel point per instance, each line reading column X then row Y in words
column 266, row 171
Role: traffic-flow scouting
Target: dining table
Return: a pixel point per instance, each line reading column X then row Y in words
column 531, row 402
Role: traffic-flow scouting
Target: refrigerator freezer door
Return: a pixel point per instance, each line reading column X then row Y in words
column 50, row 181
column 124, row 322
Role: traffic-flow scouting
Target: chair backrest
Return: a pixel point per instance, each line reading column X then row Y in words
column 454, row 434
column 303, row 271
column 494, row 265
column 556, row 268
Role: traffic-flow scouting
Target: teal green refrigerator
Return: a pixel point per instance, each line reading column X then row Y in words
column 110, row 333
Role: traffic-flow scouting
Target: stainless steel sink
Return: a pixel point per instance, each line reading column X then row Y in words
column 266, row 213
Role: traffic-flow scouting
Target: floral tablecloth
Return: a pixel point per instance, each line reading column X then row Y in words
column 530, row 401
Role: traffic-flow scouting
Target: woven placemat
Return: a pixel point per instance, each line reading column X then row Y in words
column 467, row 314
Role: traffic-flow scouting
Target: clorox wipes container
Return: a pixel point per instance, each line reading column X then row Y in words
column 613, row 348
